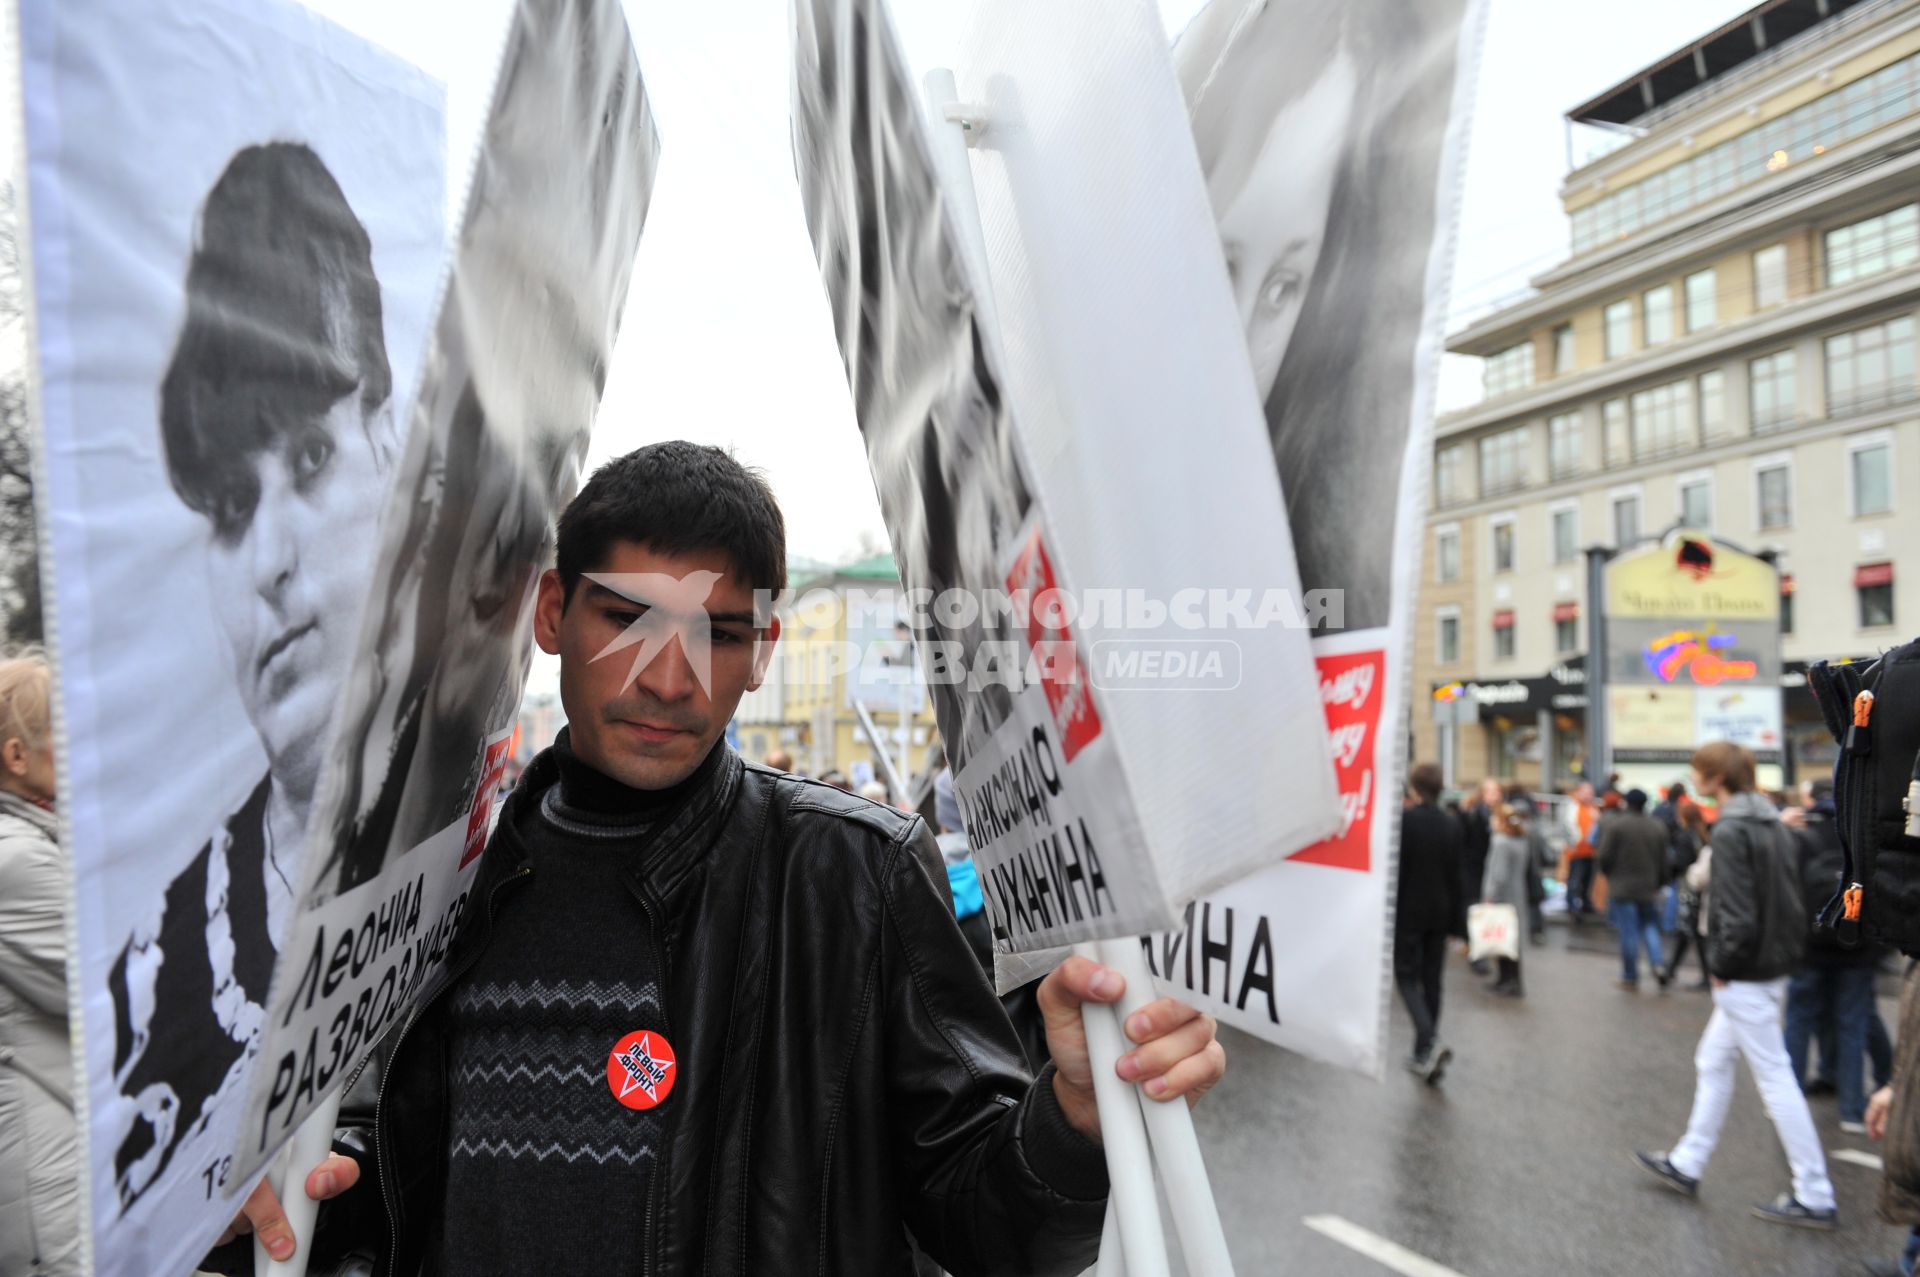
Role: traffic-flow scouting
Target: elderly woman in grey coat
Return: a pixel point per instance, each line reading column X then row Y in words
column 39, row 1164
column 1509, row 862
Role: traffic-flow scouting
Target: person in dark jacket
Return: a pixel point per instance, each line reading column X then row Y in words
column 1476, row 831
column 1756, row 935
column 1633, row 856
column 704, row 1017
column 1835, row 984
column 1427, row 913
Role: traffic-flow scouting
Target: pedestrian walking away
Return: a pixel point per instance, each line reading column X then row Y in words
column 1427, row 913
column 1509, row 865
column 1633, row 856
column 1756, row 935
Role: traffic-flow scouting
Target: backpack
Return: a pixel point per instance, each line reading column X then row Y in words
column 1873, row 711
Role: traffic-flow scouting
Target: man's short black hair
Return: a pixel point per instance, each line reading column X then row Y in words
column 1636, row 800
column 283, row 321
column 1820, row 789
column 1425, row 780
column 676, row 498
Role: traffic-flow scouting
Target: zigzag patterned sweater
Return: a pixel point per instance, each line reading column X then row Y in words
column 546, row 1170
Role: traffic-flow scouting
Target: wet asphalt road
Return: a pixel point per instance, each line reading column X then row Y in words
column 1519, row 1165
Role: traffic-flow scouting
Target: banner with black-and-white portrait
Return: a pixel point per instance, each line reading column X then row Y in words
column 237, row 216
column 516, row 361
column 1332, row 138
column 1078, row 487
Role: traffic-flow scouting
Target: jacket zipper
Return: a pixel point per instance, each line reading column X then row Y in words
column 387, row 1190
column 652, row 1247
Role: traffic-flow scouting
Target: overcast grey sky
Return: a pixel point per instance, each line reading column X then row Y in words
column 727, row 338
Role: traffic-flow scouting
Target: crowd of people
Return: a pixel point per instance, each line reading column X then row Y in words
column 1717, row 870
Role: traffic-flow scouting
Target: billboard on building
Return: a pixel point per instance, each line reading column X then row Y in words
column 1691, row 653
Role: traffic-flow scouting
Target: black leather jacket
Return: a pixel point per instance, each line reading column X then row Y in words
column 1756, row 922
column 847, row 1072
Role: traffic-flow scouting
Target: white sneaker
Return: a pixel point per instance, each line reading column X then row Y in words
column 1854, row 1128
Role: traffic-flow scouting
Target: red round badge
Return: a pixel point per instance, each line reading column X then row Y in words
column 641, row 1069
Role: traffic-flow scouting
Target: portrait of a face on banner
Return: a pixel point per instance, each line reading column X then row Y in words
column 236, row 246
column 498, row 434
column 1331, row 137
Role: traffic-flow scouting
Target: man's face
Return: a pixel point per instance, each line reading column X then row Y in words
column 651, row 730
column 1583, row 794
column 1491, row 794
column 289, row 559
column 1273, row 227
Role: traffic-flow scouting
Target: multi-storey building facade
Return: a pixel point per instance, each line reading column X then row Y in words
column 1730, row 346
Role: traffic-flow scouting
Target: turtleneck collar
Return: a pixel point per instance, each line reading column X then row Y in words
column 585, row 790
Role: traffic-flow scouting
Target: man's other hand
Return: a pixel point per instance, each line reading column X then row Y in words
column 1175, row 1053
column 1877, row 1109
column 262, row 1213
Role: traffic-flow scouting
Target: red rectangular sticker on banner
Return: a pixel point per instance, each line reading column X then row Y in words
column 1351, row 688
column 1069, row 694
column 493, row 768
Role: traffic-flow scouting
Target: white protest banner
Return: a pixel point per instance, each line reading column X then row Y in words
column 513, row 374
column 1069, row 482
column 237, row 222
column 1332, row 137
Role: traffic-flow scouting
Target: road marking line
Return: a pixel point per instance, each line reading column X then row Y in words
column 1377, row 1248
column 1869, row 1160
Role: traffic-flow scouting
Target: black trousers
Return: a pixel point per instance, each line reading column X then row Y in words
column 1419, row 960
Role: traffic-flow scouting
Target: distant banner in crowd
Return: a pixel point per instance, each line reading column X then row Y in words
column 1026, row 406
column 238, row 224
column 519, row 354
column 1333, row 137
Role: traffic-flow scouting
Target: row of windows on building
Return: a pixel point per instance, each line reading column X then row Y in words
column 1866, row 369
column 1873, row 600
column 1859, row 250
column 1888, row 95
column 1869, row 492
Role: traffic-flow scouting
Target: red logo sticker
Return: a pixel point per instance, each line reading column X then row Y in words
column 641, row 1069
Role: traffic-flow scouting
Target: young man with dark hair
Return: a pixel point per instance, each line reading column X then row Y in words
column 1633, row 856
column 1428, row 911
column 277, row 419
column 705, row 1017
column 1756, row 933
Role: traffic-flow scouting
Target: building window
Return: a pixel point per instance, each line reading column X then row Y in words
column 1770, row 276
column 1450, row 475
column 1774, row 484
column 1870, row 367
column 1503, row 462
column 1510, row 370
column 1503, row 636
column 1446, row 555
column 1771, row 393
column 1613, row 419
column 1618, row 319
column 1656, row 314
column 1702, row 301
column 1566, row 534
column 1873, row 582
column 1563, row 445
column 1626, row 519
column 1447, row 637
column 1786, row 605
column 1502, row 533
column 1870, row 475
column 1713, row 404
column 1566, row 628
column 1873, row 246
column 1563, row 349
column 1696, row 503
column 1662, row 420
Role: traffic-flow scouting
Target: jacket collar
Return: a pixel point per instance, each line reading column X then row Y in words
column 46, row 822
column 677, row 847
column 1748, row 804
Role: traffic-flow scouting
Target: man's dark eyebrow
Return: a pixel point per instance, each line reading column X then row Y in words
column 594, row 588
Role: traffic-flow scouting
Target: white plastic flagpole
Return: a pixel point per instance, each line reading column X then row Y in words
column 288, row 1174
column 1131, row 1200
column 1176, row 1145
